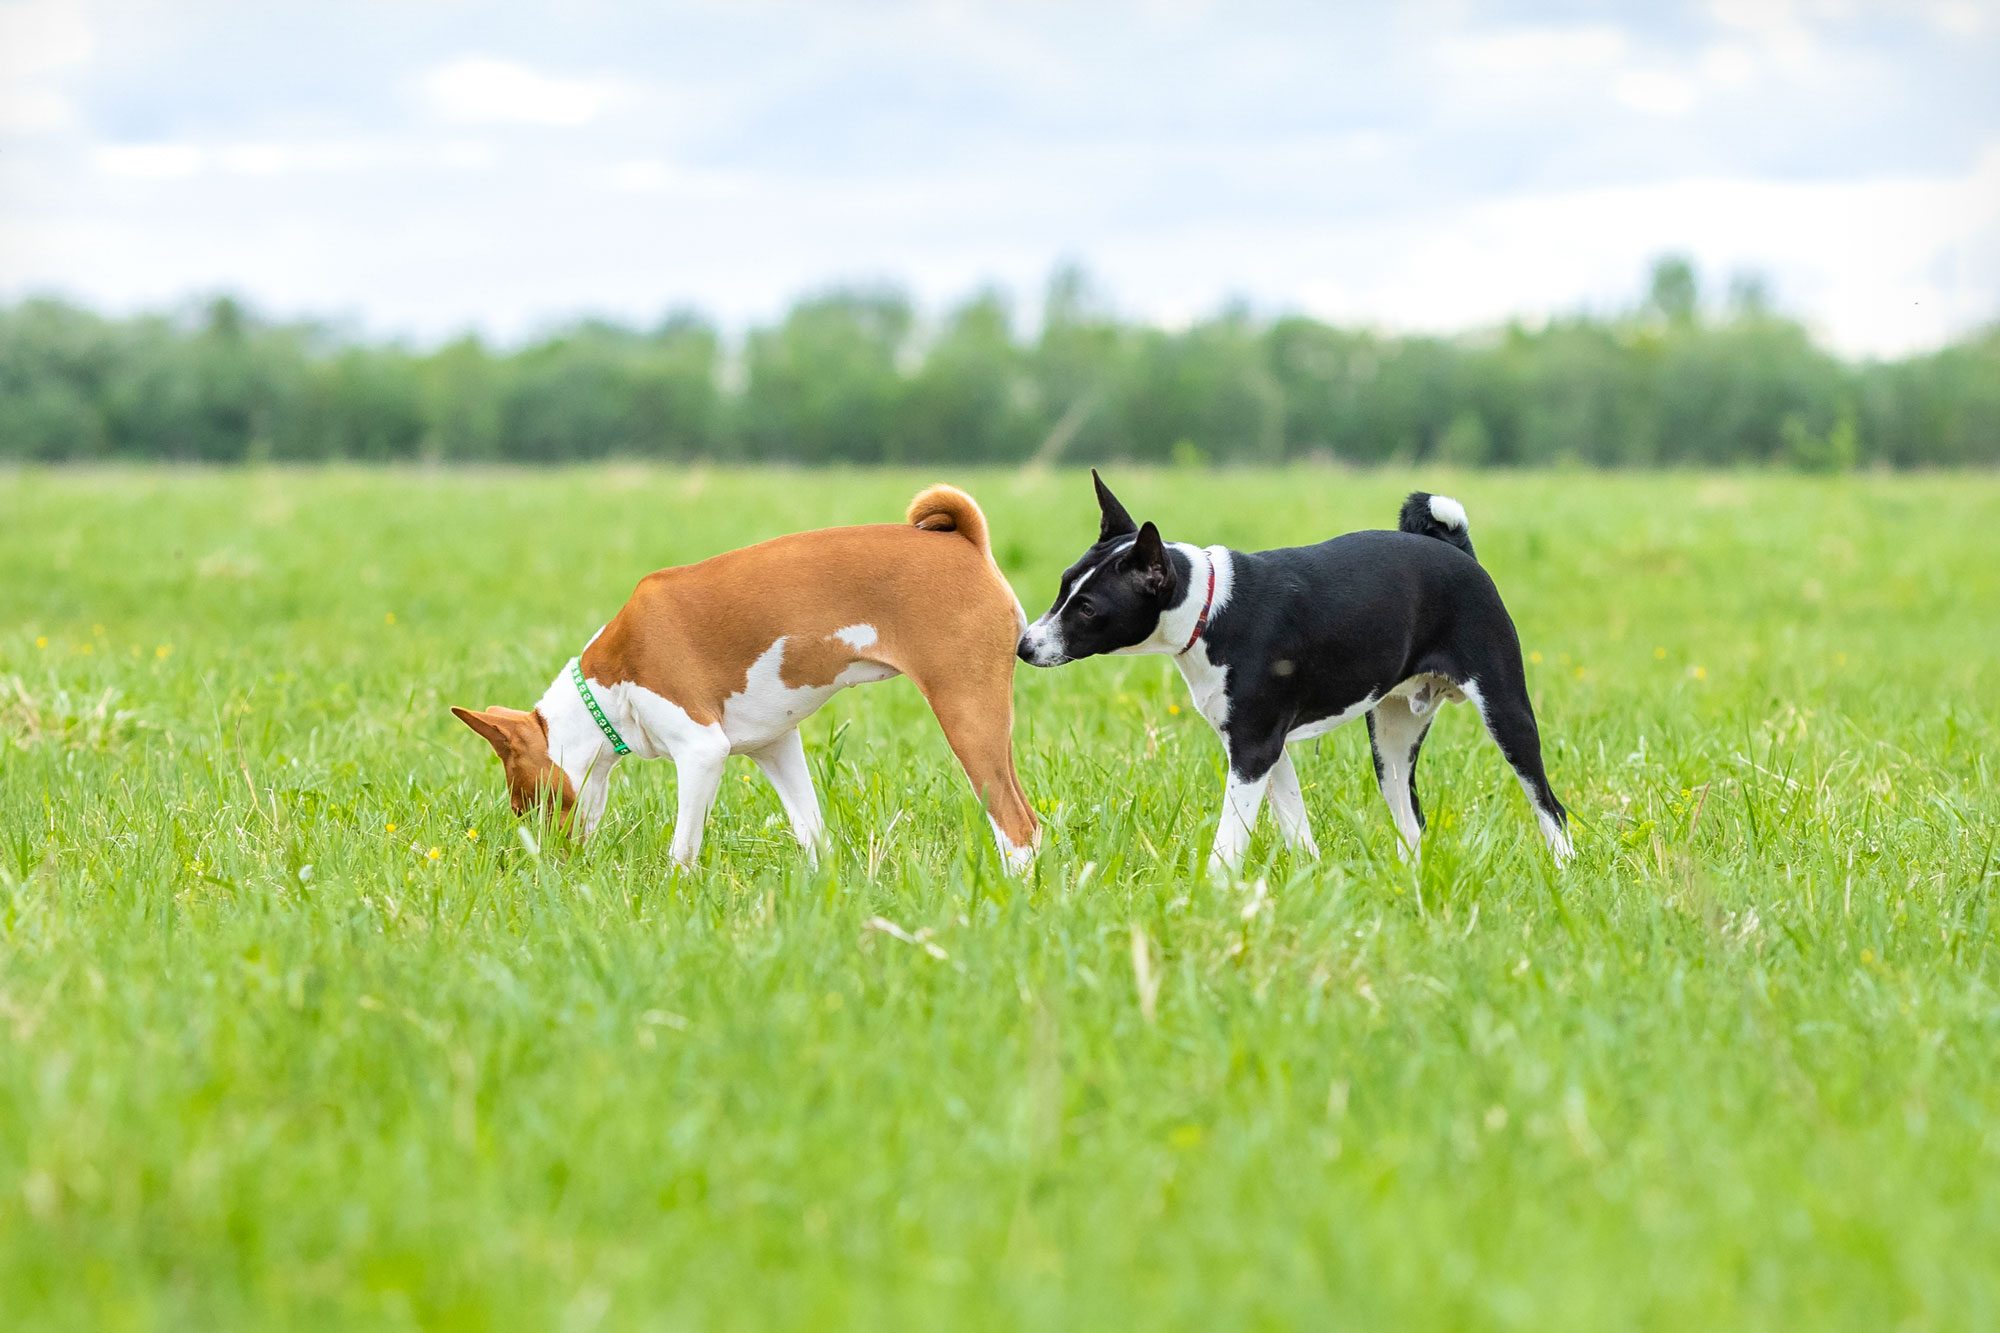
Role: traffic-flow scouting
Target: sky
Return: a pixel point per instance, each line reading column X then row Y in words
column 429, row 167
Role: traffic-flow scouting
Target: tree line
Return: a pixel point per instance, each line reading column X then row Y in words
column 855, row 376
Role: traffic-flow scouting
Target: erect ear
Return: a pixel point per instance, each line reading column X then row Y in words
column 1112, row 519
column 1148, row 559
column 500, row 726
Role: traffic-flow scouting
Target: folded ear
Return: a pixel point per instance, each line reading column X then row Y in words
column 494, row 730
column 1112, row 520
column 1148, row 559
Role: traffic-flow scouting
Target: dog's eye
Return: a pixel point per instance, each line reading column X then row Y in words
column 1086, row 611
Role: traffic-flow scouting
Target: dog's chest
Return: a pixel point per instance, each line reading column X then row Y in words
column 1208, row 685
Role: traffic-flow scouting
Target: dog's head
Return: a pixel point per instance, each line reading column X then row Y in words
column 1111, row 598
column 534, row 780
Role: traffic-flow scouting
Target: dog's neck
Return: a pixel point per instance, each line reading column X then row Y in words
column 1177, row 622
column 578, row 746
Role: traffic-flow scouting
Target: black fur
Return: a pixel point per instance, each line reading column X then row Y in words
column 1417, row 518
column 1310, row 632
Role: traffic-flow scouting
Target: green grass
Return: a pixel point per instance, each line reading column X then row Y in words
column 268, row 1060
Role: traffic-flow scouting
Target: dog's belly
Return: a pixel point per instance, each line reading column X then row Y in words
column 1421, row 694
column 1306, row 731
column 766, row 708
column 1425, row 693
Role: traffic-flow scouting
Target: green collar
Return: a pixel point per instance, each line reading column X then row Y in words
column 590, row 701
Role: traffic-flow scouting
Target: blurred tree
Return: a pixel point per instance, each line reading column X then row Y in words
column 1076, row 366
column 972, row 398
column 842, row 377
column 825, row 385
column 1674, row 293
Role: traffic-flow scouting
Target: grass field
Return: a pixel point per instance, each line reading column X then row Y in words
column 296, row 1031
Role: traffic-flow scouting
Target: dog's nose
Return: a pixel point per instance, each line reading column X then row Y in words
column 1022, row 651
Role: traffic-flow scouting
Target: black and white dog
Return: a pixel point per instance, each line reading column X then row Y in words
column 1280, row 646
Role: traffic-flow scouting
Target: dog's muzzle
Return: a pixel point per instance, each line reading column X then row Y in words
column 1036, row 650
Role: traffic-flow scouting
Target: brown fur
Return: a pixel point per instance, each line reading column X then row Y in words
column 522, row 742
column 943, row 614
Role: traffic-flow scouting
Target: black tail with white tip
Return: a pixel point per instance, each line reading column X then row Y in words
column 1437, row 516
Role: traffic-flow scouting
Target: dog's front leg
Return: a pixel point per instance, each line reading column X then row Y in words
column 1253, row 756
column 1242, row 798
column 1288, row 803
column 698, row 771
column 783, row 762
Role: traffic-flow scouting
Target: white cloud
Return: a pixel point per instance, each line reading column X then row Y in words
column 40, row 42
column 183, row 160
column 1885, row 265
column 150, row 161
column 1728, row 65
column 285, row 159
column 654, row 176
column 1656, row 92
column 1393, row 169
column 1534, row 52
column 484, row 90
column 1961, row 18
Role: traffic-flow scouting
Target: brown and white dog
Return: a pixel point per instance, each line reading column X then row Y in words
column 728, row 656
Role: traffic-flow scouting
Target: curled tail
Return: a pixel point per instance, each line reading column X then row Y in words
column 1437, row 516
column 948, row 509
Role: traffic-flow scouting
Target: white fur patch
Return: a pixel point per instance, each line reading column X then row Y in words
column 766, row 708
column 857, row 636
column 1448, row 512
column 1018, row 859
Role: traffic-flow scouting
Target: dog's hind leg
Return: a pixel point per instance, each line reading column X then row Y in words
column 1288, row 803
column 783, row 762
column 1396, row 734
column 1502, row 700
column 977, row 714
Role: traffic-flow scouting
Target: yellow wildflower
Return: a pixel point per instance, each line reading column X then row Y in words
column 41, row 641
column 472, row 835
column 1700, row 673
column 1536, row 657
column 434, row 853
column 164, row 651
column 1173, row 710
column 1659, row 654
column 389, row 828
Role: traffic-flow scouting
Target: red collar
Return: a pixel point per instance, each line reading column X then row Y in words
column 1201, row 621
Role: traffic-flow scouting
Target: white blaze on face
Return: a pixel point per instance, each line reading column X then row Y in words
column 1045, row 637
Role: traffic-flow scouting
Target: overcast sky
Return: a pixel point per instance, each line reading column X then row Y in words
column 427, row 166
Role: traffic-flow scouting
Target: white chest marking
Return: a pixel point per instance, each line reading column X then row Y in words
column 1208, row 685
column 857, row 637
